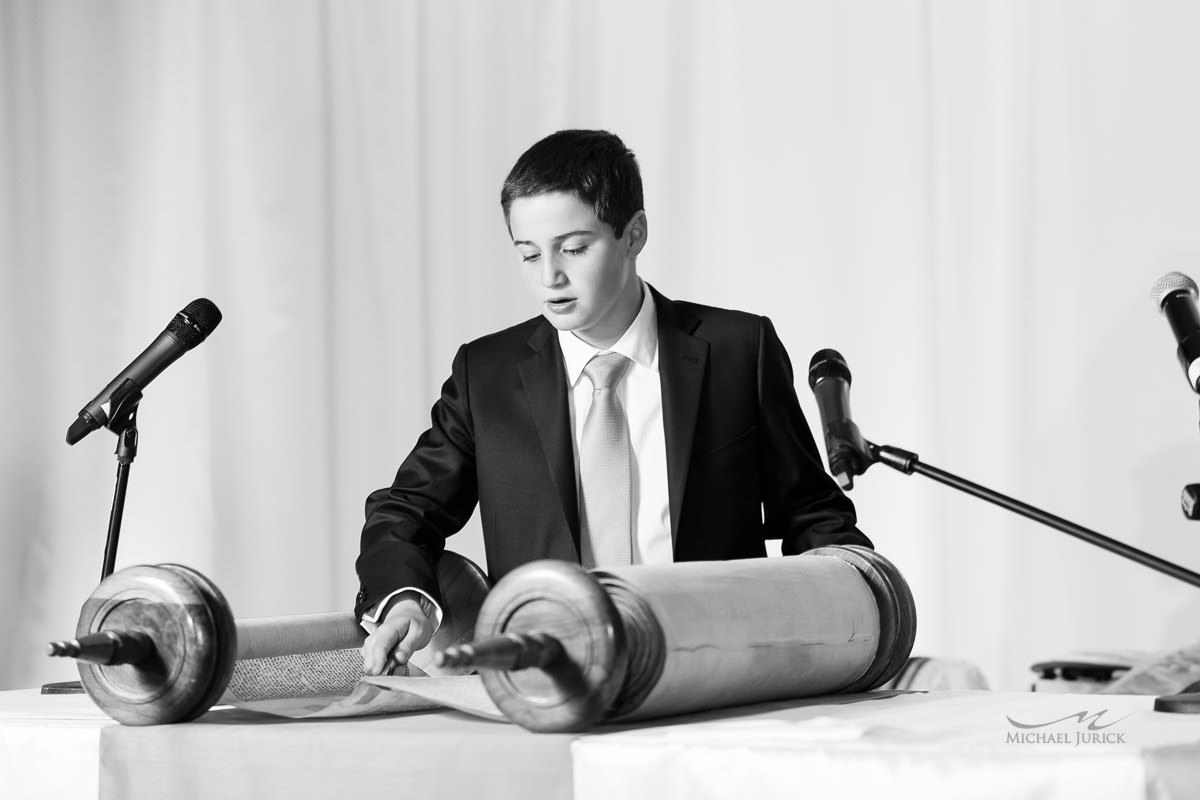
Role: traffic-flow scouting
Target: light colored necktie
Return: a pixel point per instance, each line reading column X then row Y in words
column 605, row 475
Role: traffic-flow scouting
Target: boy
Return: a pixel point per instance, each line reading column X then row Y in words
column 617, row 427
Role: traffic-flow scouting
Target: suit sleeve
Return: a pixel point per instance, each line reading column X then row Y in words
column 433, row 495
column 802, row 504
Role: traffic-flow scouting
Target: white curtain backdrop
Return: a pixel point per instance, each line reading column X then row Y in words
column 970, row 200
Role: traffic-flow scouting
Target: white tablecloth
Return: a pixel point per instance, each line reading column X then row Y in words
column 49, row 745
column 939, row 745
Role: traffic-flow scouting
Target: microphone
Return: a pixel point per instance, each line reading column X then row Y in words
column 190, row 327
column 1174, row 294
column 829, row 378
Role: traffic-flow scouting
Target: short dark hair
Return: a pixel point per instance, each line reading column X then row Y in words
column 595, row 166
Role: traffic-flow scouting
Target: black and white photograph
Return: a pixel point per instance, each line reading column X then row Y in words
column 586, row 400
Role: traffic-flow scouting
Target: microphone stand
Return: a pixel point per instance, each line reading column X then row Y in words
column 123, row 422
column 908, row 463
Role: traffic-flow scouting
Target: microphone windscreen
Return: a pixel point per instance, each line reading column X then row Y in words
column 1169, row 284
column 827, row 364
column 79, row 429
column 197, row 320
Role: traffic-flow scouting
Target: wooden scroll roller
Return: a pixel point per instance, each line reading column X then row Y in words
column 560, row 648
column 159, row 644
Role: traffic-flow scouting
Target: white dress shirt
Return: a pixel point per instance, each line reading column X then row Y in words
column 640, row 393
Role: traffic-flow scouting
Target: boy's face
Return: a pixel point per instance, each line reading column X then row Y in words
column 584, row 277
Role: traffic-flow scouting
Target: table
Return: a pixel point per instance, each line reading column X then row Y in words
column 977, row 744
column 941, row 744
column 49, row 745
column 432, row 754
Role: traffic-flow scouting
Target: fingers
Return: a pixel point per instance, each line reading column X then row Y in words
column 394, row 642
column 413, row 639
column 378, row 647
column 404, row 630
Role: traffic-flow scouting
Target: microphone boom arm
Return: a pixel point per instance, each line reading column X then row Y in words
column 909, row 462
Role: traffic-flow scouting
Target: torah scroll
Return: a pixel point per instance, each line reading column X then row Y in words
column 558, row 648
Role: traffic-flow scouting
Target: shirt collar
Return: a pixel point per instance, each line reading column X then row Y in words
column 639, row 343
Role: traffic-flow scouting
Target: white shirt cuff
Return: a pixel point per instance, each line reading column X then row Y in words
column 370, row 619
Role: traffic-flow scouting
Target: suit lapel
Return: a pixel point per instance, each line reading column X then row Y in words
column 545, row 380
column 682, row 359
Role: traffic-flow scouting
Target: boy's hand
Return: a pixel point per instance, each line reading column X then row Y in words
column 404, row 631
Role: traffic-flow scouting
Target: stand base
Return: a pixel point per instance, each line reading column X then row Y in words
column 1179, row 703
column 63, row 687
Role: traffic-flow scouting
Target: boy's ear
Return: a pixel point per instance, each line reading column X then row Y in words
column 636, row 231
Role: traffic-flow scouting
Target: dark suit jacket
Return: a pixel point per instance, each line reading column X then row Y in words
column 742, row 465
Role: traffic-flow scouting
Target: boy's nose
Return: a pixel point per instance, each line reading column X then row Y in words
column 552, row 276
